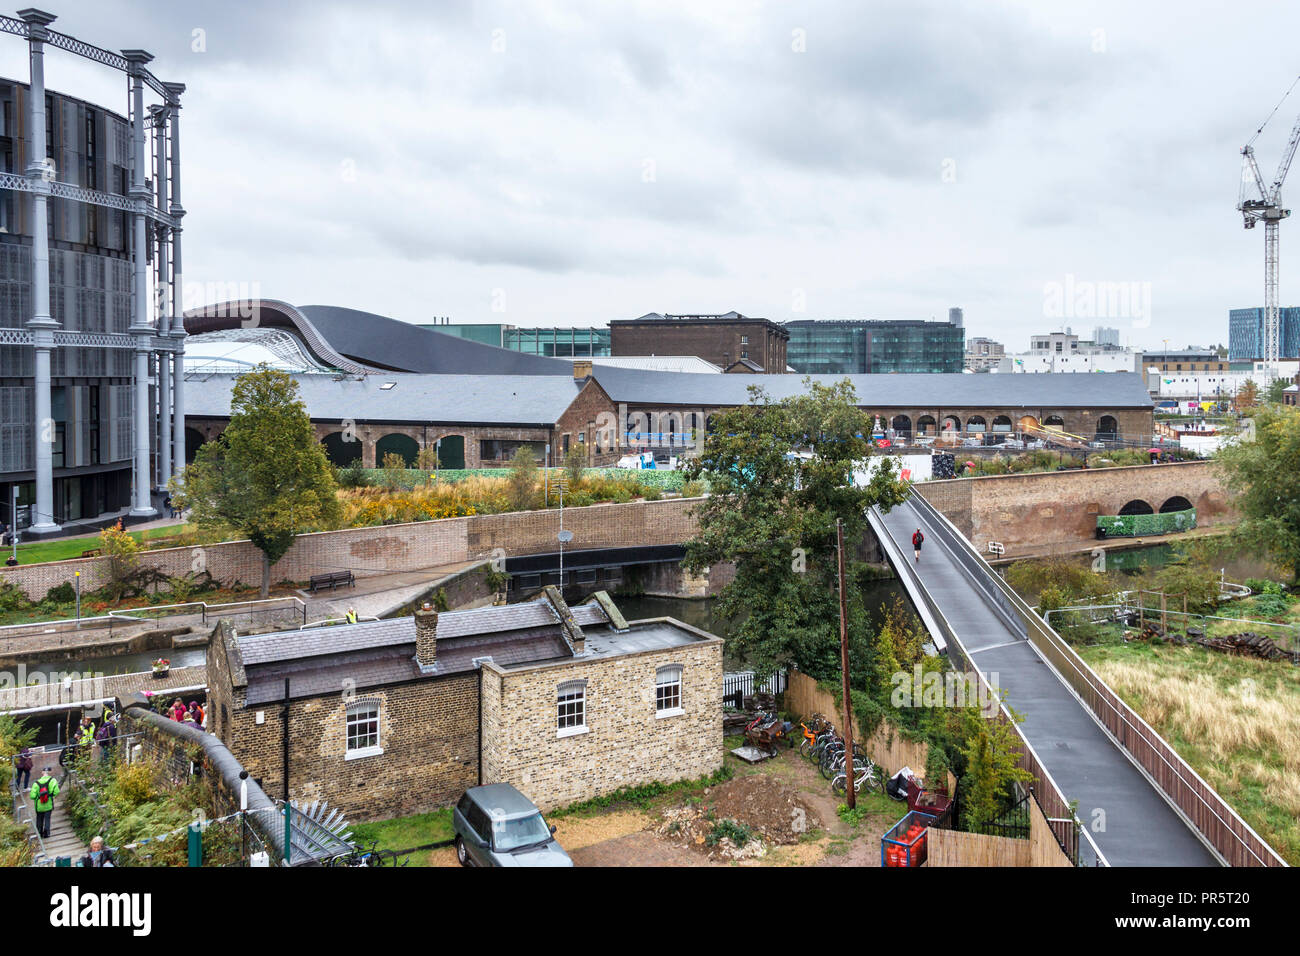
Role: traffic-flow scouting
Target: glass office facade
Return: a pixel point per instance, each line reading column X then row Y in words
column 550, row 342
column 835, row 347
column 1246, row 333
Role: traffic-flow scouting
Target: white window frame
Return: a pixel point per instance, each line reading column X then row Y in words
column 355, row 709
column 677, row 674
column 571, row 701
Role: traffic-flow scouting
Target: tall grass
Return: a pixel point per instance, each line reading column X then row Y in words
column 1235, row 720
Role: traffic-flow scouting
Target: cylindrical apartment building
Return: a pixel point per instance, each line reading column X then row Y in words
column 89, row 350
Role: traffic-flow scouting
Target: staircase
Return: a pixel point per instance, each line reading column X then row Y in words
column 63, row 840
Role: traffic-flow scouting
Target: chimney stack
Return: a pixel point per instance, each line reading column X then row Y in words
column 581, row 370
column 426, row 636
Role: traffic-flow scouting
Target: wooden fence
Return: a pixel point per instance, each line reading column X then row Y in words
column 887, row 747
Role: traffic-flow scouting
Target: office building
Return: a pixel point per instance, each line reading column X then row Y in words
column 983, row 354
column 866, row 346
column 1246, row 333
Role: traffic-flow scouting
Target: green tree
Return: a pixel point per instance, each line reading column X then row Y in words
column 1264, row 478
column 1274, row 393
column 992, row 752
column 267, row 476
column 575, row 463
column 122, row 552
column 522, row 482
column 780, row 473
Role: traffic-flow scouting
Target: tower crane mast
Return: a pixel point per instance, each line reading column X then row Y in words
column 1264, row 204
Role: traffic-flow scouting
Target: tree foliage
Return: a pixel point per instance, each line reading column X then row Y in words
column 1264, row 478
column 266, row 477
column 522, row 481
column 992, row 753
column 772, row 511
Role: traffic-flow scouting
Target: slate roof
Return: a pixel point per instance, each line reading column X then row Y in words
column 511, row 400
column 933, row 390
column 317, row 641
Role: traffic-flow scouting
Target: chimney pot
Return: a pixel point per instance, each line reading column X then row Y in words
column 581, row 370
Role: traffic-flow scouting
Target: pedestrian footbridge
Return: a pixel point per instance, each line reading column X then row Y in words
column 1139, row 803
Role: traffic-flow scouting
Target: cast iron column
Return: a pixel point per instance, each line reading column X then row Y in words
column 41, row 323
column 140, row 327
column 174, row 91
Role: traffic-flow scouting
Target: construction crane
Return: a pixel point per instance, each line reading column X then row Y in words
column 1268, row 208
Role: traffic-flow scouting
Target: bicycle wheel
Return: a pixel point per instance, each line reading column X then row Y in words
column 839, row 786
column 875, row 780
column 384, row 858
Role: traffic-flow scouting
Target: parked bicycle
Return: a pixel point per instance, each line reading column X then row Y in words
column 370, row 857
column 864, row 774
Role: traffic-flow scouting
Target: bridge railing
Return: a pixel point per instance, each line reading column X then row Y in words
column 1221, row 826
column 1074, row 839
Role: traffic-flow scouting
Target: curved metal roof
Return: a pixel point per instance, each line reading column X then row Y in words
column 363, row 342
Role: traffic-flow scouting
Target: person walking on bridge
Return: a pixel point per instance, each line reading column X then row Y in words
column 917, row 540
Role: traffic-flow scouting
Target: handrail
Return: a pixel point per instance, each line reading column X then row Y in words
column 1094, row 690
column 19, row 805
column 1028, row 754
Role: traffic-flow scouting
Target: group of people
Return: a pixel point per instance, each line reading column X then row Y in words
column 87, row 735
column 189, row 714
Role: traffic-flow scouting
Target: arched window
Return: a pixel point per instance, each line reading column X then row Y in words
column 363, row 729
column 571, row 708
column 668, row 690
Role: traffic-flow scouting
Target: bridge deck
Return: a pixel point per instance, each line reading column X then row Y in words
column 1141, row 828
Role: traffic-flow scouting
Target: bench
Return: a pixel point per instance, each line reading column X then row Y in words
column 331, row 580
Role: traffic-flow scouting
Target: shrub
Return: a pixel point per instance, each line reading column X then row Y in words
column 729, row 829
column 63, row 593
column 523, row 479
column 12, row 597
column 353, row 476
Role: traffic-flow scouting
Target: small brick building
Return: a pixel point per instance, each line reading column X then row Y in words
column 727, row 339
column 399, row 716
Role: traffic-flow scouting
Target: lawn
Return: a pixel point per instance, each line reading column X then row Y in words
column 405, row 833
column 60, row 549
column 1235, row 720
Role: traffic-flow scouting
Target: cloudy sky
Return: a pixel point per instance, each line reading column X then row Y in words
column 572, row 162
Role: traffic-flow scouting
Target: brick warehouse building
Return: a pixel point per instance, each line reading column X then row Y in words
column 374, row 385
column 401, row 716
column 732, row 341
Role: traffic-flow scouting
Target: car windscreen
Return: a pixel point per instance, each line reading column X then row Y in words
column 519, row 832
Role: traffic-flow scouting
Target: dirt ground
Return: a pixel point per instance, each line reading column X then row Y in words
column 784, row 801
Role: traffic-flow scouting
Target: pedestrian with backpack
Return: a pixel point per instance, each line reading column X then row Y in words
column 23, row 769
column 917, row 540
column 43, row 792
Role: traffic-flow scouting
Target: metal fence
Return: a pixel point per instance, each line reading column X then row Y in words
column 737, row 685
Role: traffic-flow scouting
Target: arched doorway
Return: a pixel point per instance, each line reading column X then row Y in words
column 1137, row 507
column 902, row 424
column 1054, row 421
column 339, row 451
column 925, row 425
column 1028, row 423
column 1002, row 425
column 951, row 424
column 1176, row 503
column 193, row 439
column 398, row 444
column 976, row 425
column 451, row 451
column 1107, row 428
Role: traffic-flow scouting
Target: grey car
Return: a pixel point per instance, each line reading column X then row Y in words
column 496, row 825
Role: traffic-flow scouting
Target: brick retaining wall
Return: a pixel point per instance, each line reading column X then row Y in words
column 384, row 549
